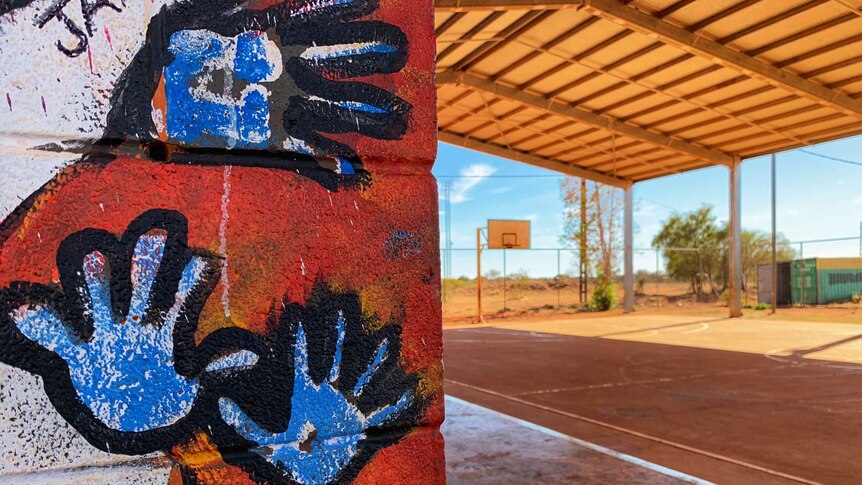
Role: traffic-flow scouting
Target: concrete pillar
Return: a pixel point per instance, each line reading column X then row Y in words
column 250, row 250
column 735, row 240
column 628, row 252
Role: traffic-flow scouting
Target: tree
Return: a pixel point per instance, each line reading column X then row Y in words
column 492, row 274
column 693, row 246
column 757, row 250
column 603, row 208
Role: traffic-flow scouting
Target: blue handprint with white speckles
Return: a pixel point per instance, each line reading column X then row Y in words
column 325, row 427
column 124, row 373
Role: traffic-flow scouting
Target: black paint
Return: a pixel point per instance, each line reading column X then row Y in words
column 264, row 391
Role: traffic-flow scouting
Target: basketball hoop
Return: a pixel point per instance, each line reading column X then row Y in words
column 508, row 234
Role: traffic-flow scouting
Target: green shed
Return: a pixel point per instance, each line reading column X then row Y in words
column 818, row 281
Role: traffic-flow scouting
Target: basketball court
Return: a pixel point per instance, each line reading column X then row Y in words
column 723, row 400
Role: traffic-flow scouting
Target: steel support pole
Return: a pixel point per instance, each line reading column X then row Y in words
column 479, row 317
column 735, row 236
column 774, row 292
column 628, row 243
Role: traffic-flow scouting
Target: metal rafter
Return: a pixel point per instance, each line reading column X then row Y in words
column 661, row 91
column 470, row 5
column 523, row 157
column 470, row 34
column 635, row 55
column 698, row 26
column 849, row 6
column 517, row 28
column 724, row 56
column 576, row 143
column 586, row 117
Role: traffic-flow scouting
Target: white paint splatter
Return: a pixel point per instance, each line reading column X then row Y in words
column 222, row 234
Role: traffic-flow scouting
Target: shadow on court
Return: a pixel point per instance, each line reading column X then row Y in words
column 728, row 417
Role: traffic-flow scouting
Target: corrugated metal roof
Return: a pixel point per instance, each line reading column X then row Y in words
column 636, row 89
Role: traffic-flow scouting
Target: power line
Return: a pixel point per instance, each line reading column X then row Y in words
column 498, row 176
column 829, row 157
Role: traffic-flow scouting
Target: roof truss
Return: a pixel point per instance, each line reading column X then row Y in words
column 586, row 117
column 792, row 86
column 523, row 157
column 468, row 5
column 722, row 55
column 638, row 21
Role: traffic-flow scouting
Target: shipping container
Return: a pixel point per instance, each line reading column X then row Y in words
column 818, row 281
column 764, row 284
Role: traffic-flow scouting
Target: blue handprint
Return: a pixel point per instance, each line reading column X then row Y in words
column 326, row 427
column 116, row 348
column 125, row 372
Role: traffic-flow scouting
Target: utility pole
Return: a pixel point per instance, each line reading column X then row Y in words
column 447, row 237
column 582, row 254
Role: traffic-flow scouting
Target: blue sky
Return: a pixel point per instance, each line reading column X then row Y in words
column 817, row 199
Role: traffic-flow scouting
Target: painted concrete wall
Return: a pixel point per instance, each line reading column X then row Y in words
column 218, row 248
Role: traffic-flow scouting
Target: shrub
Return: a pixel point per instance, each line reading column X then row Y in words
column 604, row 296
column 762, row 306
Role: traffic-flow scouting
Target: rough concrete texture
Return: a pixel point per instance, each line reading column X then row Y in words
column 218, row 247
column 486, row 447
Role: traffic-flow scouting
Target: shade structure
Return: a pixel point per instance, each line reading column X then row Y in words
column 626, row 91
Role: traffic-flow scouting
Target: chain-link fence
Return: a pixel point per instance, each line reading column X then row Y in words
column 520, row 281
column 525, row 280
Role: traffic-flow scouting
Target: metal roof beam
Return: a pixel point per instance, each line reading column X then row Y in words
column 523, row 157
column 586, row 117
column 469, row 5
column 724, row 56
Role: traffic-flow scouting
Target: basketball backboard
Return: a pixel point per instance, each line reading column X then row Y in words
column 508, row 234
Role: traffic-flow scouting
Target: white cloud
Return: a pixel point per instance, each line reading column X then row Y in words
column 858, row 200
column 472, row 175
column 645, row 208
column 530, row 217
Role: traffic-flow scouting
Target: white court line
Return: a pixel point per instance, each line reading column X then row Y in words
column 703, row 326
column 586, row 444
column 638, row 434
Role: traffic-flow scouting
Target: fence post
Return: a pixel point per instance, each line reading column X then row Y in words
column 657, row 281
column 559, row 277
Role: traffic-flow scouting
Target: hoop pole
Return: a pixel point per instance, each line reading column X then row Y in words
column 504, row 281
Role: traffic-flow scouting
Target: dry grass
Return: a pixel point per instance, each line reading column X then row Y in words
column 547, row 298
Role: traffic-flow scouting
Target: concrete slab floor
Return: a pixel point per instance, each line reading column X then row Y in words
column 487, row 447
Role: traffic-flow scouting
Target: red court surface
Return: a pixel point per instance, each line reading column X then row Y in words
column 728, row 401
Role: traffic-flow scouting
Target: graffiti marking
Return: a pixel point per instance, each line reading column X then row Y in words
column 88, row 10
